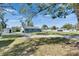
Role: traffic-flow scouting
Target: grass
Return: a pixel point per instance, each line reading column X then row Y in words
column 19, row 47
column 39, row 47
column 42, row 33
column 56, row 33
column 22, row 46
column 56, row 50
column 4, row 43
column 11, row 36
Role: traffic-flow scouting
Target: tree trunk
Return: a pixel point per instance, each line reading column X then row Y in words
column 77, row 13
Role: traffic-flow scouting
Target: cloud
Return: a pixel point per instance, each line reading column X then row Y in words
column 20, row 17
column 47, row 15
column 10, row 10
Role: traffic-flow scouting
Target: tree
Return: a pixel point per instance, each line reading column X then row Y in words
column 54, row 10
column 3, row 21
column 68, row 26
column 0, row 26
column 53, row 27
column 30, row 23
column 2, row 15
column 76, row 7
column 45, row 27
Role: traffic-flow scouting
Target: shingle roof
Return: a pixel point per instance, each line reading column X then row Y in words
column 31, row 27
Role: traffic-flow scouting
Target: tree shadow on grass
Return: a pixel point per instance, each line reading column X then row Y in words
column 4, row 43
column 56, row 40
column 22, row 49
column 29, row 48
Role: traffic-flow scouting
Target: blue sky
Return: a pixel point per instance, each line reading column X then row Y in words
column 40, row 19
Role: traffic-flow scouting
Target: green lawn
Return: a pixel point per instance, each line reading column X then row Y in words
column 56, row 33
column 19, row 46
column 42, row 33
column 11, row 36
column 4, row 43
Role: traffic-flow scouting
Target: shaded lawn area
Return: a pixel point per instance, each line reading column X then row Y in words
column 20, row 46
column 4, row 43
column 42, row 46
column 11, row 36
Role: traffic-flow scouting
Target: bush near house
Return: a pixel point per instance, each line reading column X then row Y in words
column 15, row 29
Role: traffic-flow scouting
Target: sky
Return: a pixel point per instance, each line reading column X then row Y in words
column 39, row 20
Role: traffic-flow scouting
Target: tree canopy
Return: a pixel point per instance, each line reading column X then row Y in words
column 68, row 26
column 30, row 10
column 2, row 21
column 52, row 9
column 54, row 27
column 45, row 27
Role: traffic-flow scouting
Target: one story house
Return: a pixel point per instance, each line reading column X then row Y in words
column 25, row 30
column 31, row 29
column 6, row 30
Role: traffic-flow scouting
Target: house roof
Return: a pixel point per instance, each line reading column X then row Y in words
column 31, row 28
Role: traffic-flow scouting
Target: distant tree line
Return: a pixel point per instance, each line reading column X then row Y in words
column 65, row 26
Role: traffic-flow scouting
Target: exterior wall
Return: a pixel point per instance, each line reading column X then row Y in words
column 47, row 30
column 32, row 30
